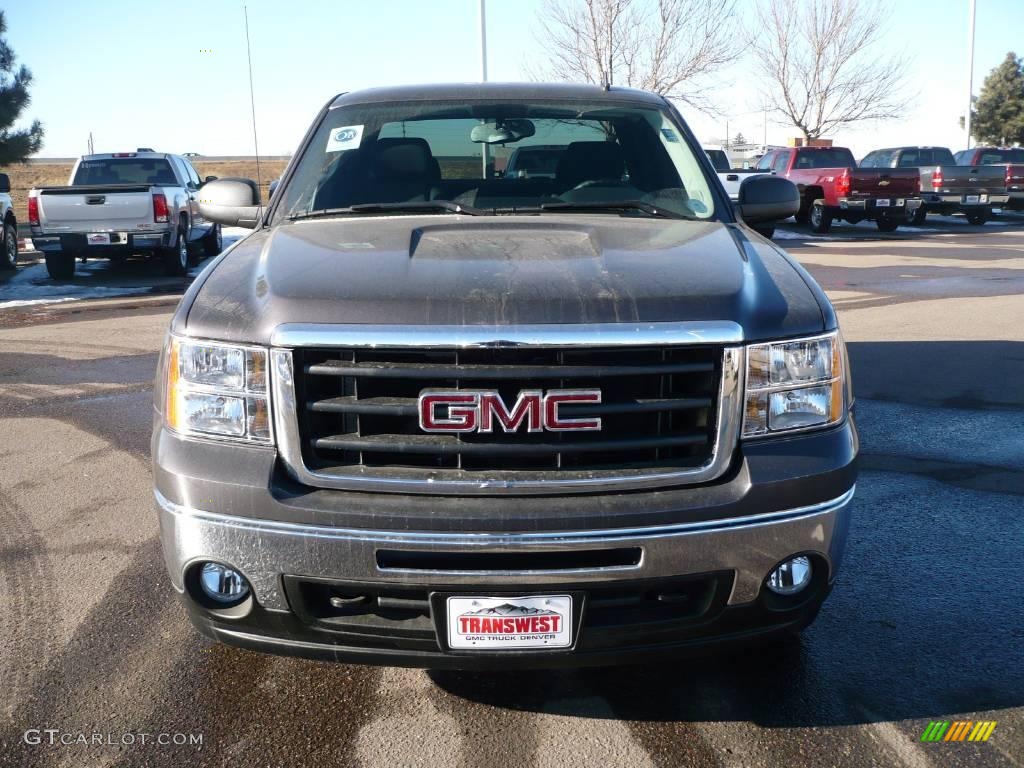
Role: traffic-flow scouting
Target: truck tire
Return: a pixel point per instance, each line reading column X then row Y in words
column 213, row 242
column 9, row 256
column 820, row 218
column 977, row 217
column 60, row 265
column 175, row 257
column 919, row 216
column 886, row 224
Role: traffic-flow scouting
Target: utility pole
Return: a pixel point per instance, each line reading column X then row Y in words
column 970, row 73
column 483, row 75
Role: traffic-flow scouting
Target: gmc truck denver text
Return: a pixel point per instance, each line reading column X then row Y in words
column 426, row 415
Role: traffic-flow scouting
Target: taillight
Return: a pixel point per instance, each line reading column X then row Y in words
column 843, row 183
column 937, row 178
column 33, row 211
column 1009, row 175
column 159, row 208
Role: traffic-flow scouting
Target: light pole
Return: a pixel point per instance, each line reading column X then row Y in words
column 970, row 72
column 483, row 76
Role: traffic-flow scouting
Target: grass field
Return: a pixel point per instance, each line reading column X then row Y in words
column 25, row 177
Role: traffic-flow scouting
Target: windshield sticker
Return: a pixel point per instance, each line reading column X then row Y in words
column 669, row 135
column 346, row 137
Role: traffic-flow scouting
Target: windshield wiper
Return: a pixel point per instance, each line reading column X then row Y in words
column 424, row 206
column 617, row 205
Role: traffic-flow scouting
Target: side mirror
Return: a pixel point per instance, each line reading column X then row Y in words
column 231, row 202
column 767, row 198
column 272, row 187
column 5, row 182
column 208, row 179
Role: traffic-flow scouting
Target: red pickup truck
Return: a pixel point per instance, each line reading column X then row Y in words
column 1011, row 157
column 833, row 187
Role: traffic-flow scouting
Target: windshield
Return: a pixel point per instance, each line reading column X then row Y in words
column 124, row 171
column 438, row 156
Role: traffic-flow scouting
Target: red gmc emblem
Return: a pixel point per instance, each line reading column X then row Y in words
column 480, row 411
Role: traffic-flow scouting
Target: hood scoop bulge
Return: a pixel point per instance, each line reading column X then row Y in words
column 534, row 241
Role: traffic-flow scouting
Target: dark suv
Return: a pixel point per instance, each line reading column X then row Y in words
column 424, row 415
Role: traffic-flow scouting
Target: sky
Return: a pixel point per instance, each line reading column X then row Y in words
column 175, row 76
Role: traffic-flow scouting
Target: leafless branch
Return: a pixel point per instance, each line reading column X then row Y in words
column 822, row 65
column 665, row 46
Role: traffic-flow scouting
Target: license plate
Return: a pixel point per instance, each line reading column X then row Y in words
column 98, row 238
column 496, row 623
column 972, row 199
column 881, row 203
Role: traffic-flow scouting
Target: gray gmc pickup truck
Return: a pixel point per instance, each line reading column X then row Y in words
column 428, row 415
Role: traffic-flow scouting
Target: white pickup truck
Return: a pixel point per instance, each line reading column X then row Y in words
column 120, row 204
column 9, row 243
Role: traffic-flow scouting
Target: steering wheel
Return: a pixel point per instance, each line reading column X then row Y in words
column 600, row 183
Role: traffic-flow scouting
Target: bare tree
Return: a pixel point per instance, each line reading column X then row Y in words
column 663, row 46
column 821, row 63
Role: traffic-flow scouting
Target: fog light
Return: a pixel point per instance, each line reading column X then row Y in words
column 222, row 584
column 791, row 576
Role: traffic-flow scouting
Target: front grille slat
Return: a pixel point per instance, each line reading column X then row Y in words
column 478, row 372
column 359, row 412
column 406, row 406
column 450, row 445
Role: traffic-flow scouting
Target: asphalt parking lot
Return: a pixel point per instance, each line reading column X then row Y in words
column 926, row 621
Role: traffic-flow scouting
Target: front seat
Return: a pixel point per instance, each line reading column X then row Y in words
column 589, row 161
column 400, row 171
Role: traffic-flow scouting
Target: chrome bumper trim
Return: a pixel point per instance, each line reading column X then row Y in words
column 264, row 550
column 286, row 424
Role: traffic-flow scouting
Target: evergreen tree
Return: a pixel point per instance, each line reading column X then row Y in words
column 999, row 112
column 739, row 139
column 15, row 145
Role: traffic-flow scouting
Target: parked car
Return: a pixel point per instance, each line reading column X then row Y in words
column 833, row 187
column 120, row 204
column 945, row 186
column 534, row 161
column 411, row 420
column 1012, row 158
column 731, row 178
column 9, row 243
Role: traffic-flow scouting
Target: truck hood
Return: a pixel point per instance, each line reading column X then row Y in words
column 458, row 270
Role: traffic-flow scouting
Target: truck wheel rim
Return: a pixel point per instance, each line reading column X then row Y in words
column 182, row 250
column 816, row 215
column 10, row 247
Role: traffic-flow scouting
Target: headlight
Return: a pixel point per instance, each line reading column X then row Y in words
column 217, row 390
column 794, row 385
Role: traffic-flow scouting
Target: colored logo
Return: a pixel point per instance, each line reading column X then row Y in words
column 958, row 730
column 345, row 134
column 481, row 410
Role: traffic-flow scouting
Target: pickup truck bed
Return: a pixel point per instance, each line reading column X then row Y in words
column 961, row 188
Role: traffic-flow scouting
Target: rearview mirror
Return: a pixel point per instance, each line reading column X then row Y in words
column 231, row 202
column 502, row 131
column 5, row 182
column 767, row 198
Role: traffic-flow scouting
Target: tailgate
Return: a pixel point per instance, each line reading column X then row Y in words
column 94, row 209
column 973, row 178
column 884, row 182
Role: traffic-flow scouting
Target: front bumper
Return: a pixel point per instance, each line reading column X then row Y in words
column 715, row 543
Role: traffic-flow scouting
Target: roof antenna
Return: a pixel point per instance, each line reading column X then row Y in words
column 607, row 85
column 252, row 102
